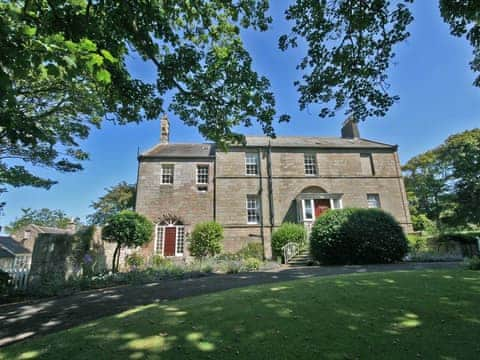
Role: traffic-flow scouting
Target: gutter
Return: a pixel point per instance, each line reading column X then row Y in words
column 262, row 231
column 270, row 187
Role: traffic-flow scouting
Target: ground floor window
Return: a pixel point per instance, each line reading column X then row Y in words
column 180, row 239
column 253, row 209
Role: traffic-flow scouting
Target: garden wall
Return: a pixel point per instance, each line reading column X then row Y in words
column 59, row 257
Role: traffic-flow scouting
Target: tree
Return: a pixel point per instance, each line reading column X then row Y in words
column 426, row 184
column 127, row 228
column 444, row 183
column 119, row 197
column 461, row 153
column 206, row 239
column 63, row 69
column 42, row 217
column 350, row 47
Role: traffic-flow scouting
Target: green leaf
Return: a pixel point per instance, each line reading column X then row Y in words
column 107, row 55
column 29, row 30
column 103, row 76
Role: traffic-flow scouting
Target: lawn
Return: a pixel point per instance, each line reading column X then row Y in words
column 399, row 315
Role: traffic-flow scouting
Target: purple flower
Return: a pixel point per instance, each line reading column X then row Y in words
column 88, row 259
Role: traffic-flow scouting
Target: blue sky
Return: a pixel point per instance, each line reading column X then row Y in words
column 431, row 75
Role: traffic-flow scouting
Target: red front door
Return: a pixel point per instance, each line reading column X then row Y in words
column 170, row 239
column 321, row 205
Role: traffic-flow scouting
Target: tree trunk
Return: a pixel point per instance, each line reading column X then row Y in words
column 118, row 257
column 114, row 260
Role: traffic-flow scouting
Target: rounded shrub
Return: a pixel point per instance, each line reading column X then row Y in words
column 287, row 232
column 206, row 239
column 357, row 236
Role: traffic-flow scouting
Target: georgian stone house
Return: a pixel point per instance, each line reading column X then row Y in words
column 253, row 189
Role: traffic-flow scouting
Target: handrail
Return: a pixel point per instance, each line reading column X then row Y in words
column 290, row 250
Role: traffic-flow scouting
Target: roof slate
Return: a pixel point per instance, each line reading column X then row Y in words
column 208, row 150
column 12, row 246
column 315, row 142
column 181, row 150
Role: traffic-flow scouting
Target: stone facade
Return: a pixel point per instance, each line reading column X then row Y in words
column 346, row 170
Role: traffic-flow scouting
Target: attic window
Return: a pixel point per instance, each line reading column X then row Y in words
column 27, row 234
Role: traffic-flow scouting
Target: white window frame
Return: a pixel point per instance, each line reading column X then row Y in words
column 177, row 233
column 249, row 156
column 304, row 208
column 197, row 175
column 332, row 204
column 310, row 163
column 164, row 166
column 377, row 199
column 157, row 228
column 257, row 209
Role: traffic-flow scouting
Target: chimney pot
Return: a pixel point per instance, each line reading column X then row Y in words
column 350, row 129
column 164, row 130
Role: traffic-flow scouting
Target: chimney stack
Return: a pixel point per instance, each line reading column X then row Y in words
column 350, row 129
column 72, row 226
column 164, row 130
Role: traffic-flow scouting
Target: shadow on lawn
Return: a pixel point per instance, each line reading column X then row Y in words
column 21, row 321
column 350, row 317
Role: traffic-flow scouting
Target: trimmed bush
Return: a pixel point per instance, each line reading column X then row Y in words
column 206, row 239
column 251, row 250
column 135, row 261
column 357, row 236
column 287, row 232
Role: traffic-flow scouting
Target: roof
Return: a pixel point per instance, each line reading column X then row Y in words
column 181, row 151
column 208, row 150
column 5, row 253
column 50, row 230
column 316, row 142
column 8, row 244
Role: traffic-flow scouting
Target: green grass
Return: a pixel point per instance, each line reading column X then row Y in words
column 400, row 315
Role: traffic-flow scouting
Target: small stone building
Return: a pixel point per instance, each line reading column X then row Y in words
column 253, row 188
column 13, row 255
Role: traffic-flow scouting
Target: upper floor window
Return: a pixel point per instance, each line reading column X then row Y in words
column 367, row 164
column 251, row 163
column 310, row 164
column 202, row 174
column 373, row 201
column 253, row 209
column 167, row 174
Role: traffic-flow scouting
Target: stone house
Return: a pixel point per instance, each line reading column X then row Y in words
column 253, row 188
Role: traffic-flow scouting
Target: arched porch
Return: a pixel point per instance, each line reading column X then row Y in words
column 313, row 201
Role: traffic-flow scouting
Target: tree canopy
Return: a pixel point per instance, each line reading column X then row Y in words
column 43, row 217
column 117, row 198
column 350, row 48
column 444, row 183
column 128, row 229
column 63, row 69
